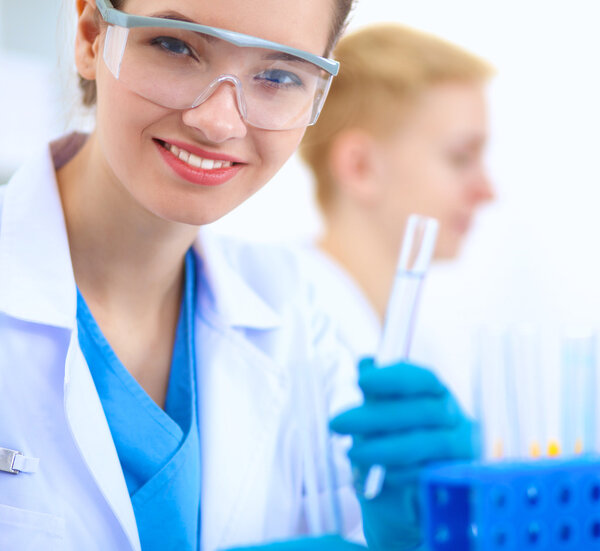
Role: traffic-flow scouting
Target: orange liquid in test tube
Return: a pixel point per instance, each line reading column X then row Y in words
column 553, row 449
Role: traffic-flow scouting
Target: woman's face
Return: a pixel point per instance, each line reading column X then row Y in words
column 434, row 165
column 130, row 128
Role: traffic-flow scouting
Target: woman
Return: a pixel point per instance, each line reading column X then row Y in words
column 403, row 134
column 147, row 373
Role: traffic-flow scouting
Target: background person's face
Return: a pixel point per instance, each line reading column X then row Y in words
column 434, row 165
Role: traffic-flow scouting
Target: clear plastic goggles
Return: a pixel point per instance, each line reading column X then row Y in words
column 179, row 65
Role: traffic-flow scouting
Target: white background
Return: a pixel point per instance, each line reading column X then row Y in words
column 532, row 258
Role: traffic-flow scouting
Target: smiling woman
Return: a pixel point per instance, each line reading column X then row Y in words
column 159, row 368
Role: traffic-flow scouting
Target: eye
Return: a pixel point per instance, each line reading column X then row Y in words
column 280, row 78
column 172, row 45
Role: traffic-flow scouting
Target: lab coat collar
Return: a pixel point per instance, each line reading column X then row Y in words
column 227, row 291
column 36, row 280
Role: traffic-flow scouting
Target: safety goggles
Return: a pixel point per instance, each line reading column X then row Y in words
column 179, row 64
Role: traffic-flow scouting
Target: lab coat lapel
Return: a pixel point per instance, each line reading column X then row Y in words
column 241, row 400
column 92, row 435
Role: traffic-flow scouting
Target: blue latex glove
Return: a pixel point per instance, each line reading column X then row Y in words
column 408, row 419
column 326, row 543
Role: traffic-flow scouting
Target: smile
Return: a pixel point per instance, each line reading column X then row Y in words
column 198, row 167
column 194, row 160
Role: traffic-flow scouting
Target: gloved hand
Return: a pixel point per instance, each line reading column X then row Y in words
column 408, row 419
column 326, row 543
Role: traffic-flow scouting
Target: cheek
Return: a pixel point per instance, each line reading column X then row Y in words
column 426, row 185
column 121, row 119
column 121, row 111
column 412, row 168
column 416, row 180
column 439, row 180
column 274, row 148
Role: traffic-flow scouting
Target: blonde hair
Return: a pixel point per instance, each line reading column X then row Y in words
column 384, row 68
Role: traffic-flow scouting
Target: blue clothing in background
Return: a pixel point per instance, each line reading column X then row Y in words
column 159, row 450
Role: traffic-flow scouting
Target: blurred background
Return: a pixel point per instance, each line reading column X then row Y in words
column 531, row 260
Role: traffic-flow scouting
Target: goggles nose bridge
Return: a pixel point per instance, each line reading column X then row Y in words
column 214, row 85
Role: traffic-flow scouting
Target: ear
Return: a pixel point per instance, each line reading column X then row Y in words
column 87, row 38
column 353, row 165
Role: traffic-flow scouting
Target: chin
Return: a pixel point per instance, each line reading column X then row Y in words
column 190, row 209
column 186, row 215
column 194, row 218
column 447, row 251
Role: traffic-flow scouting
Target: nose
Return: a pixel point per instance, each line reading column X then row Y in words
column 218, row 117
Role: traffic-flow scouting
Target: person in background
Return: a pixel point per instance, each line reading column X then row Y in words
column 404, row 131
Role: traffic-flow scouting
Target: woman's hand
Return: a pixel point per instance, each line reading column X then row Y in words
column 326, row 543
column 408, row 419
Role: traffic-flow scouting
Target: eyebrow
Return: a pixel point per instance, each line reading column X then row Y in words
column 176, row 16
column 173, row 15
column 283, row 56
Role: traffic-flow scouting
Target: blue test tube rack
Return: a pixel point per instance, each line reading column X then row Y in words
column 546, row 505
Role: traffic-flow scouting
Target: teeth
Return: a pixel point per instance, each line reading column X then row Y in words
column 194, row 160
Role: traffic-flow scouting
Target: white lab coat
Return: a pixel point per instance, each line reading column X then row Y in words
column 253, row 322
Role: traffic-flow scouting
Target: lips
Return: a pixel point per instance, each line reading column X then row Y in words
column 196, row 165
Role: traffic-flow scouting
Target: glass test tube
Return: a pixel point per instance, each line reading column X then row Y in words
column 509, row 393
column 490, row 392
column 578, row 380
column 525, row 398
column 415, row 256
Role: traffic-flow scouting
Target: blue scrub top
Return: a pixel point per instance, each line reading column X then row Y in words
column 159, row 450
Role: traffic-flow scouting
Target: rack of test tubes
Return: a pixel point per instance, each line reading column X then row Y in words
column 546, row 505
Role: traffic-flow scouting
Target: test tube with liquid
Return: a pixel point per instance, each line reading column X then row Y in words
column 490, row 393
column 525, row 392
column 578, row 383
column 417, row 249
column 509, row 398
